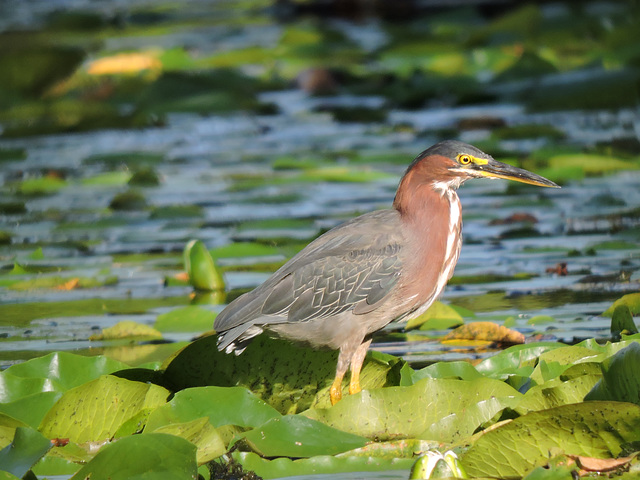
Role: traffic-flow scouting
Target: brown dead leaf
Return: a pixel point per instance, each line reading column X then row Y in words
column 69, row 285
column 590, row 464
column 487, row 331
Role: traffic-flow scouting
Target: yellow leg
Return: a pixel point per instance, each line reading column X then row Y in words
column 356, row 367
column 335, row 394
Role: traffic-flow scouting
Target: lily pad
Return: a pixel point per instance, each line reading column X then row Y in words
column 389, row 413
column 296, row 436
column 202, row 434
column 593, row 429
column 619, row 377
column 185, row 319
column 95, row 410
column 631, row 300
column 155, row 456
column 127, row 329
column 288, row 377
column 27, row 448
column 221, row 405
column 437, row 317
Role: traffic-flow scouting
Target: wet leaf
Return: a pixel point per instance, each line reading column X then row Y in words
column 553, row 363
column 95, row 410
column 288, row 377
column 593, row 429
column 185, row 319
column 127, row 329
column 295, row 436
column 28, row 446
column 434, row 317
column 400, row 412
column 620, row 380
column 203, row 272
column 485, row 331
column 154, row 456
column 221, row 405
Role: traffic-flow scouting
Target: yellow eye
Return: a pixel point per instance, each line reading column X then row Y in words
column 464, row 159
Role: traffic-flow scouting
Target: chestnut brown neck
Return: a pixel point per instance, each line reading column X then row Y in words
column 427, row 185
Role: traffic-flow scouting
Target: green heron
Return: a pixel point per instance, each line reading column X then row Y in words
column 381, row 266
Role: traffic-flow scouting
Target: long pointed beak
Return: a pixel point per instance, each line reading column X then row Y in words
column 495, row 169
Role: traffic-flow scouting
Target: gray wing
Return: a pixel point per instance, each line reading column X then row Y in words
column 352, row 267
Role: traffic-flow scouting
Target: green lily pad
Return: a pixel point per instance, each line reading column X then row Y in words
column 130, row 160
column 62, row 283
column 221, row 405
column 515, row 360
column 27, row 448
column 620, row 380
column 185, row 319
column 41, row 186
column 592, row 429
column 622, row 322
column 555, row 393
column 631, row 300
column 156, row 456
column 95, row 410
column 127, row 329
column 457, row 370
column 390, row 413
column 202, row 434
column 8, row 426
column 296, row 436
column 107, row 179
column 30, row 409
column 438, row 315
column 244, row 249
column 553, row 363
column 203, row 272
column 57, row 372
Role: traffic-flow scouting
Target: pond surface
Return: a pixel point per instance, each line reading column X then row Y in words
column 80, row 258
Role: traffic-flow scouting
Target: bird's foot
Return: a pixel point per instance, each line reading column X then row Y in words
column 335, row 394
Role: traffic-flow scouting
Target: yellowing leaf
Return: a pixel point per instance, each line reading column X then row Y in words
column 127, row 329
column 127, row 63
column 487, row 331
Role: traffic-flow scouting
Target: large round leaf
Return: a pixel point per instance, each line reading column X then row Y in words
column 620, row 379
column 94, row 411
column 156, row 456
column 592, row 429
